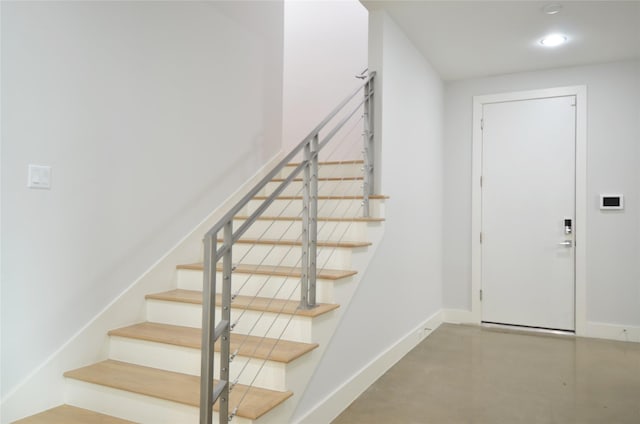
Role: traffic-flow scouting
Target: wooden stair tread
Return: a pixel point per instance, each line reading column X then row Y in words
column 289, row 242
column 337, row 197
column 246, row 302
column 333, row 162
column 66, row 414
column 279, row 180
column 326, row 218
column 173, row 386
column 281, row 271
column 251, row 346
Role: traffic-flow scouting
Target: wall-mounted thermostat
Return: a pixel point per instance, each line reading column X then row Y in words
column 611, row 201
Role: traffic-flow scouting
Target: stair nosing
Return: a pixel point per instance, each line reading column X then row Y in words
column 335, row 162
column 62, row 414
column 346, row 197
column 239, row 341
column 190, row 399
column 279, row 180
column 291, row 242
column 299, row 218
column 280, row 271
column 195, row 297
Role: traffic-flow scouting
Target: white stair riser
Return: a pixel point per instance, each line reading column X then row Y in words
column 127, row 405
column 187, row 361
column 325, row 188
column 327, row 230
column 132, row 406
column 283, row 255
column 296, row 328
column 269, row 286
column 326, row 207
column 330, row 171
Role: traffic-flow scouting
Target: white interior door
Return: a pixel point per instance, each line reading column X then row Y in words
column 528, row 191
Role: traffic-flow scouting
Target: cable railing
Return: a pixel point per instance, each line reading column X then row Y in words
column 220, row 240
column 274, row 244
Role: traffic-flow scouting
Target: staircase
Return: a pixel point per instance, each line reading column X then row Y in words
column 152, row 373
column 282, row 261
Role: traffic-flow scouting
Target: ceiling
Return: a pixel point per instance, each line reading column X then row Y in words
column 465, row 39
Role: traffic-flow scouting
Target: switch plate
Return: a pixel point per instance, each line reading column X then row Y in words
column 39, row 176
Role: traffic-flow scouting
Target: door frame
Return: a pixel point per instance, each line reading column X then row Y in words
column 580, row 92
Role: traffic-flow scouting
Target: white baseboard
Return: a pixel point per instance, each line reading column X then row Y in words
column 458, row 316
column 331, row 406
column 624, row 333
column 44, row 387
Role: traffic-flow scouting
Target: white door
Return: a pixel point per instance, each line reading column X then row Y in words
column 528, row 191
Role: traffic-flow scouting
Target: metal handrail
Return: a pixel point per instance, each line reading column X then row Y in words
column 260, row 185
column 310, row 146
column 364, row 74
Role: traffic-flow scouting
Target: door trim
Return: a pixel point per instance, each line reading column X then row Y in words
column 581, row 194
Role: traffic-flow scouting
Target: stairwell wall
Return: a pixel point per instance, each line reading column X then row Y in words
column 401, row 290
column 150, row 114
column 325, row 46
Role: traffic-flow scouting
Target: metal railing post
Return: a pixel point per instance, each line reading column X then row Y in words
column 211, row 333
column 226, row 317
column 306, row 195
column 309, row 225
column 313, row 222
column 368, row 153
column 208, row 331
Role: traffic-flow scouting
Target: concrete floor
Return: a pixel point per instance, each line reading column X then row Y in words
column 467, row 374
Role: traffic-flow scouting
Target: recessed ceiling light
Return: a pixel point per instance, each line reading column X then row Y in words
column 552, row 8
column 553, row 40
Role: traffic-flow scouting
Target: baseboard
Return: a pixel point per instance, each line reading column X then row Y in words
column 458, row 316
column 44, row 387
column 331, row 406
column 624, row 333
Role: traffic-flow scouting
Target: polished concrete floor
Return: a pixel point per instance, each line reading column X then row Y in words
column 470, row 375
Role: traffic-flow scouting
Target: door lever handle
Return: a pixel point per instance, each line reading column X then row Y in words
column 567, row 243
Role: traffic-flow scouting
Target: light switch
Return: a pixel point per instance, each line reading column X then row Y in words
column 39, row 176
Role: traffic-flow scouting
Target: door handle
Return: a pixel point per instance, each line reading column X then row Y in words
column 567, row 243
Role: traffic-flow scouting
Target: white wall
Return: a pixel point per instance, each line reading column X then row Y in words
column 613, row 161
column 402, row 287
column 325, row 47
column 133, row 104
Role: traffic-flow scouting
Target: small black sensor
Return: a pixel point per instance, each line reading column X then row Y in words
column 611, row 202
